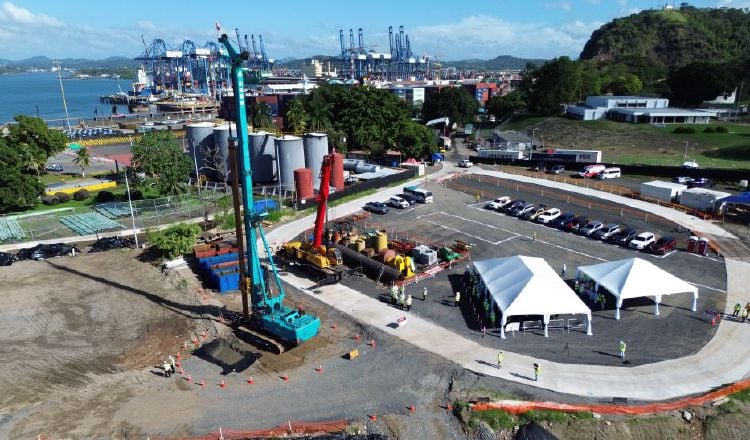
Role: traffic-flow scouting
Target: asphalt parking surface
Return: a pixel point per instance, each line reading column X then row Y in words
column 456, row 215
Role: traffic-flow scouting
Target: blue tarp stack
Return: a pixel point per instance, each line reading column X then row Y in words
column 222, row 271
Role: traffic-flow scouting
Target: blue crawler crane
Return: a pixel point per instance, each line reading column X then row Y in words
column 270, row 317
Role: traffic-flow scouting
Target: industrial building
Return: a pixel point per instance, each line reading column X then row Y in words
column 637, row 110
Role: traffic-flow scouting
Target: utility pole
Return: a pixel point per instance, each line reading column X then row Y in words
column 130, row 204
column 62, row 90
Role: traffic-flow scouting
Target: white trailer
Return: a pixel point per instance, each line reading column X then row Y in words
column 583, row 156
column 659, row 190
column 501, row 154
column 701, row 199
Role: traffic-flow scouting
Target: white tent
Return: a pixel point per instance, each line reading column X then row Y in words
column 528, row 286
column 636, row 278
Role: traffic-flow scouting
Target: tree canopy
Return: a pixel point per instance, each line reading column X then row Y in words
column 454, row 102
column 160, row 156
column 697, row 82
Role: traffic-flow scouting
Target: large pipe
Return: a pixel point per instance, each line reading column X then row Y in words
column 370, row 267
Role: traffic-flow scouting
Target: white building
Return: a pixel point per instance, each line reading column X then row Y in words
column 635, row 109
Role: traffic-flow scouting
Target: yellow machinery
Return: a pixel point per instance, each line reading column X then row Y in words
column 405, row 265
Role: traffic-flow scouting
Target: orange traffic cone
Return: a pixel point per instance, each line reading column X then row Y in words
column 285, row 377
column 179, row 356
column 182, row 372
column 334, row 326
column 373, row 417
column 222, row 384
column 203, row 383
column 356, row 336
column 412, row 409
column 319, row 369
column 371, row 343
column 189, row 378
column 204, row 335
column 713, row 321
column 449, row 407
column 250, row 380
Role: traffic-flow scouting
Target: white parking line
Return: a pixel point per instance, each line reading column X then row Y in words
column 462, row 232
column 705, row 257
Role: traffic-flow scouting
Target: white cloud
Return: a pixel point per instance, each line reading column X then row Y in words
column 733, row 4
column 564, row 5
column 146, row 25
column 12, row 14
column 484, row 36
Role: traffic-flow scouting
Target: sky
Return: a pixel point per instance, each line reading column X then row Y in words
column 447, row 30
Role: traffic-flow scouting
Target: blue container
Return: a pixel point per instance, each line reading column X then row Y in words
column 226, row 280
column 265, row 205
column 205, row 263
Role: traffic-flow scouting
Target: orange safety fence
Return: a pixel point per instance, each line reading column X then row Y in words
column 520, row 407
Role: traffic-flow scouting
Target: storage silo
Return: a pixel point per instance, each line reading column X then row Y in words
column 263, row 156
column 291, row 155
column 337, row 171
column 316, row 147
column 221, row 141
column 200, row 137
column 303, row 183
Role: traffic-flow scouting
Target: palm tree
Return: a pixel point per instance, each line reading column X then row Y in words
column 83, row 159
column 296, row 116
column 261, row 116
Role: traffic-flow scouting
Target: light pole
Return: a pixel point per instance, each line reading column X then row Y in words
column 197, row 176
column 687, row 143
column 533, row 130
column 130, row 204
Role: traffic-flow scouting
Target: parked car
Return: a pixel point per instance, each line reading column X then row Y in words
column 590, row 171
column 377, row 207
column 557, row 169
column 548, row 215
column 607, row 231
column 690, row 164
column 499, row 203
column 576, row 223
column 534, row 213
column 465, row 163
column 642, row 240
column 682, row 179
column 663, row 245
column 519, row 208
column 398, row 202
column 609, row 173
column 561, row 220
column 53, row 167
column 701, row 182
column 409, row 198
column 525, row 210
column 512, row 205
column 623, row 237
column 590, row 228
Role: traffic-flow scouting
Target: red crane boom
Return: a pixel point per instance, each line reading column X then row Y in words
column 322, row 199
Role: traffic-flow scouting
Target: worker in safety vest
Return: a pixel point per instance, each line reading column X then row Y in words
column 408, row 303
column 458, row 297
column 394, row 294
column 402, row 300
column 167, row 369
column 172, row 362
column 537, row 371
column 424, row 294
column 744, row 315
column 623, row 347
column 500, row 359
column 736, row 309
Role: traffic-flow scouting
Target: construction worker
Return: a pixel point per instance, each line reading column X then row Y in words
column 167, row 369
column 744, row 315
column 623, row 347
column 477, row 198
column 403, row 289
column 424, row 294
column 394, row 294
column 458, row 297
column 500, row 359
column 408, row 303
column 736, row 309
column 564, row 269
column 172, row 363
column 533, row 236
column 402, row 300
column 537, row 370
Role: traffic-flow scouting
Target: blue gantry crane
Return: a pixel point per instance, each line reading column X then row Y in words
column 269, row 315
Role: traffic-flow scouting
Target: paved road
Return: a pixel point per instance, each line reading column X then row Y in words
column 716, row 364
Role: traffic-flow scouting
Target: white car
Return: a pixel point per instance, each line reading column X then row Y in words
column 398, row 202
column 499, row 203
column 548, row 215
column 466, row 163
column 691, row 165
column 642, row 240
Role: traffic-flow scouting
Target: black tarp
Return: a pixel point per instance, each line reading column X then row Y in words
column 6, row 259
column 107, row 243
column 43, row 251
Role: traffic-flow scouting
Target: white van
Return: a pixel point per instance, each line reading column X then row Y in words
column 609, row 173
column 398, row 202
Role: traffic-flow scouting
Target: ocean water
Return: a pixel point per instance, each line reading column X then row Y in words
column 39, row 94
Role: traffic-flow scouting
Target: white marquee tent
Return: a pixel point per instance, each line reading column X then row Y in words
column 529, row 286
column 636, row 278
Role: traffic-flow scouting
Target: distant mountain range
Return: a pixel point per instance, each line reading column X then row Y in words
column 42, row 62
column 117, row 62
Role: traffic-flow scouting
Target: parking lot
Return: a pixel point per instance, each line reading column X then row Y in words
column 456, row 214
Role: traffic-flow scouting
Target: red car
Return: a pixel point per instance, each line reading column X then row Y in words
column 663, row 245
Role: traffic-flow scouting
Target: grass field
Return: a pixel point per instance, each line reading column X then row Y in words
column 625, row 143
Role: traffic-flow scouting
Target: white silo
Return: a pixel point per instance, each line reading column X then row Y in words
column 291, row 155
column 316, row 147
column 221, row 141
column 263, row 156
column 200, row 138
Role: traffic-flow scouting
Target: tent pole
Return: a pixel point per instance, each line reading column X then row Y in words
column 657, row 300
column 503, row 320
column 546, row 326
column 695, row 301
column 588, row 325
column 617, row 309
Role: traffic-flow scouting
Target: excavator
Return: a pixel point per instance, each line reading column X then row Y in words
column 276, row 325
column 324, row 259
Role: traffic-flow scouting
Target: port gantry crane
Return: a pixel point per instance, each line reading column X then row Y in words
column 269, row 315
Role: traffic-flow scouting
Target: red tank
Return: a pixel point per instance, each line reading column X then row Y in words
column 303, row 183
column 337, row 171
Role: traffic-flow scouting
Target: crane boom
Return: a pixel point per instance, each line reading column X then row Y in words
column 269, row 313
column 323, row 192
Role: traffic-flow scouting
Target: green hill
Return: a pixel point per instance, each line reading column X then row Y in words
column 673, row 38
